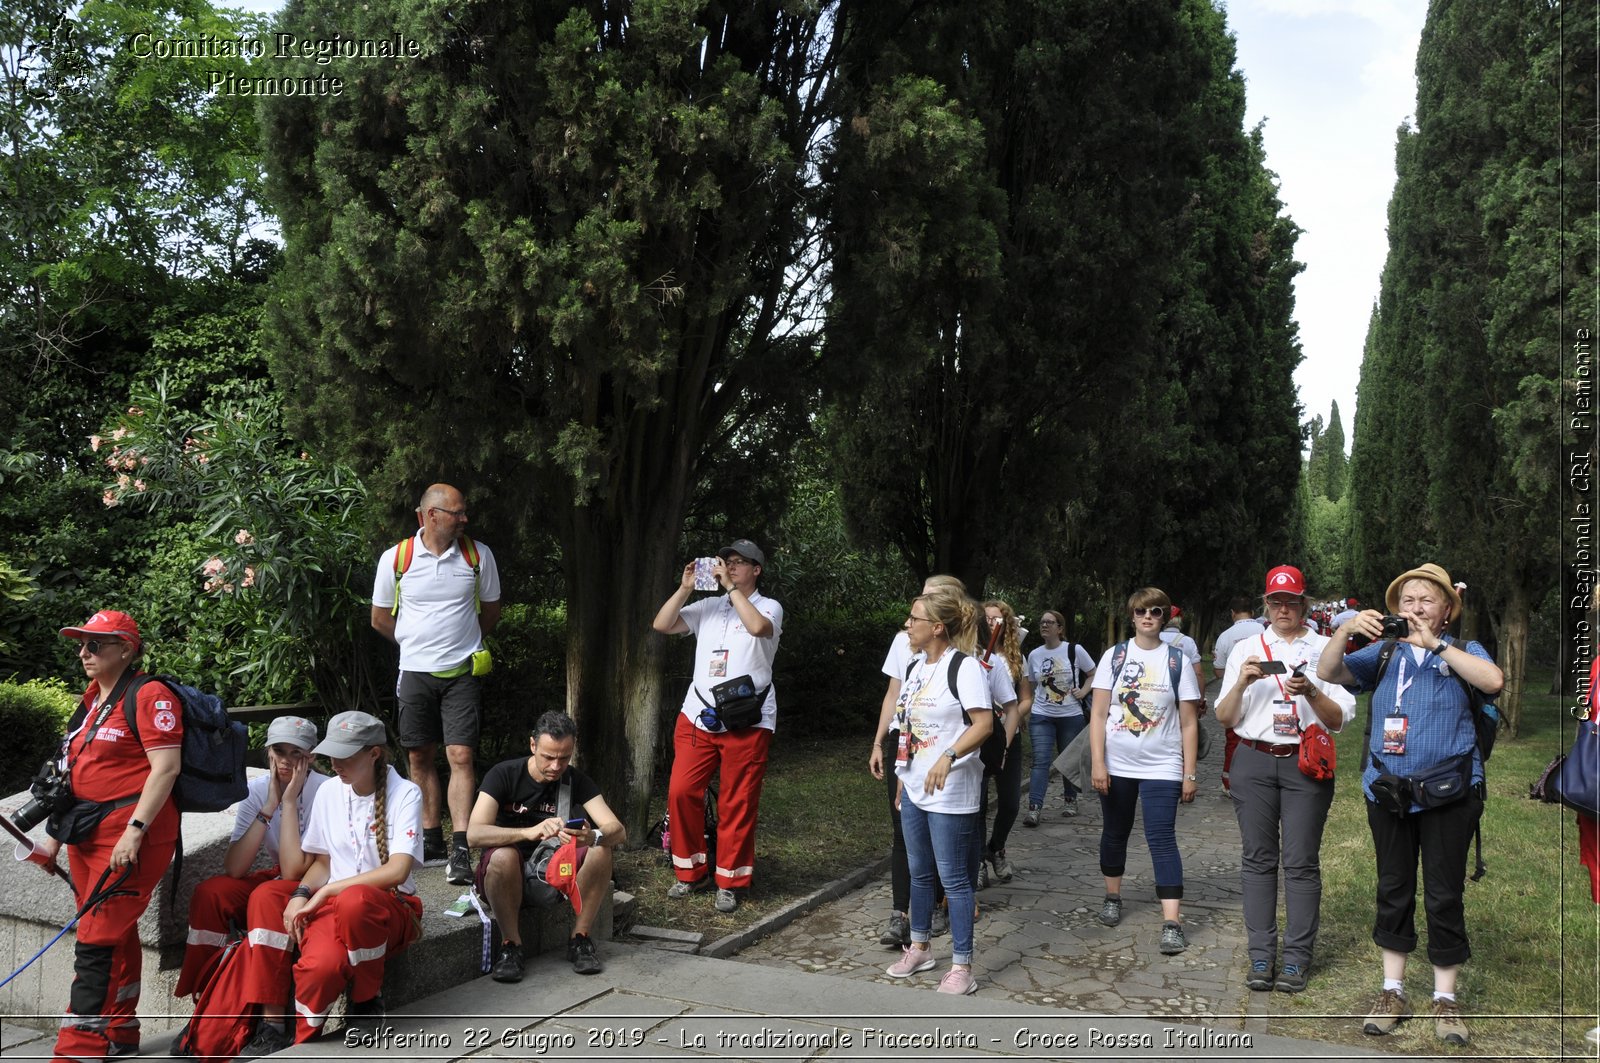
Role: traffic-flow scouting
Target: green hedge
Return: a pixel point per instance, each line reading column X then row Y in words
column 33, row 717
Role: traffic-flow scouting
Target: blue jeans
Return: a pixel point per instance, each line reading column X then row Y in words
column 938, row 848
column 1117, row 809
column 1050, row 734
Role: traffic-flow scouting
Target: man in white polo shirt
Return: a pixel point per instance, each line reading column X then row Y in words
column 437, row 595
column 736, row 637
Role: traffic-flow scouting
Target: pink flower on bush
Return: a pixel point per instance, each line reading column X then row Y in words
column 109, row 499
column 123, row 481
column 243, row 537
column 138, row 485
column 94, row 443
column 249, row 577
column 134, row 411
column 120, row 433
column 213, row 566
column 212, row 584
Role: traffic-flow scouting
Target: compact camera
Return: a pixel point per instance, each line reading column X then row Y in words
column 1395, row 627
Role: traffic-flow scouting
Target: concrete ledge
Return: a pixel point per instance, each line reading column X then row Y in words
column 730, row 945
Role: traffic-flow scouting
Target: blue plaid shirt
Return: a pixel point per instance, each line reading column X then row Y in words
column 1435, row 705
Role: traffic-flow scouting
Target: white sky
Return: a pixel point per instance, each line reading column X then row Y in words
column 1333, row 80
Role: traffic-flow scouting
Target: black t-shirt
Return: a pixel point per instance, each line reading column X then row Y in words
column 524, row 802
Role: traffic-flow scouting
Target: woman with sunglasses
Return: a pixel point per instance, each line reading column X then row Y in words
column 120, row 831
column 270, row 820
column 1144, row 735
column 941, row 731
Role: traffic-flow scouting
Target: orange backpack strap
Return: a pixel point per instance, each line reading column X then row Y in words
column 403, row 553
column 469, row 550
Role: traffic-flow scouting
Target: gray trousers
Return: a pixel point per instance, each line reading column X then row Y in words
column 1269, row 792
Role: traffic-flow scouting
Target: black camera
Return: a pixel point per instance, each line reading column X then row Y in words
column 49, row 787
column 1395, row 627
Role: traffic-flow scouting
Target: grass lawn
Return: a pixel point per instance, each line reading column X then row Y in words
column 1532, row 925
column 822, row 816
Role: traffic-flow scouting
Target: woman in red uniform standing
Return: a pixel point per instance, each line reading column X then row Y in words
column 123, row 780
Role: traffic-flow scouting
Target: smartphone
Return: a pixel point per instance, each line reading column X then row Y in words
column 705, row 578
column 577, row 824
column 1299, row 670
column 1272, row 667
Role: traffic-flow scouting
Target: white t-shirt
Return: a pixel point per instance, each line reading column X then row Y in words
column 932, row 722
column 724, row 650
column 998, row 676
column 255, row 799
column 1051, row 673
column 437, row 626
column 1144, row 730
column 899, row 658
column 1249, row 627
column 343, row 826
column 1173, row 637
column 1342, row 617
column 1257, row 706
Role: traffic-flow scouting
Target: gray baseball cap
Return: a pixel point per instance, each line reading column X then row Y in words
column 351, row 732
column 295, row 730
column 745, row 549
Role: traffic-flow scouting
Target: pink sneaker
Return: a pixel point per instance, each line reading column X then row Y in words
column 910, row 962
column 958, row 982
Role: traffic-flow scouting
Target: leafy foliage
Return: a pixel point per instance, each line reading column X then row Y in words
column 33, row 717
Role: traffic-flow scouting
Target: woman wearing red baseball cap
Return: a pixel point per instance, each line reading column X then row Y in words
column 119, row 831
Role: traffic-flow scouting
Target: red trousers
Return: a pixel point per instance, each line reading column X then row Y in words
column 347, row 942
column 1231, row 743
column 102, row 1013
column 741, row 757
column 217, row 905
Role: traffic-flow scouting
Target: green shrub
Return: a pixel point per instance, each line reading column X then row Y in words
column 529, row 679
column 33, row 717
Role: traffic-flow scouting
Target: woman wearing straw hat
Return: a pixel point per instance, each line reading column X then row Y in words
column 1426, row 733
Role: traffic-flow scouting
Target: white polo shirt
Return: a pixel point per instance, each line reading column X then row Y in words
column 724, row 650
column 1258, row 705
column 437, row 627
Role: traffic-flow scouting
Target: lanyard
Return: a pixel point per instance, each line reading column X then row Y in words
column 358, row 843
column 1401, row 683
column 1268, row 651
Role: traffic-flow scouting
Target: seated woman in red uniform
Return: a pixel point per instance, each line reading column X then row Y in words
column 271, row 819
column 122, row 834
column 356, row 904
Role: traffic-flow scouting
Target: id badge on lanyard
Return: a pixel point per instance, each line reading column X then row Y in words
column 718, row 665
column 1396, row 723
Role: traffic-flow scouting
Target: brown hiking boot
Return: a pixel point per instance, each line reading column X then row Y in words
column 1447, row 1024
column 1390, row 1010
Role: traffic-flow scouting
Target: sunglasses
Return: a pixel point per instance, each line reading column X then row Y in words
column 96, row 646
column 1153, row 610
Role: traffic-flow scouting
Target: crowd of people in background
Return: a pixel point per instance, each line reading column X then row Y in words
column 319, row 915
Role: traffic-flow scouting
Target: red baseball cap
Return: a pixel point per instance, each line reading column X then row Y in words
column 562, row 871
column 1285, row 579
column 1177, row 612
column 106, row 622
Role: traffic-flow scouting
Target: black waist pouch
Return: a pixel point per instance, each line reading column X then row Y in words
column 1446, row 785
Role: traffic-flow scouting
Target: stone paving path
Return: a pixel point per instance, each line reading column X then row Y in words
column 1039, row 940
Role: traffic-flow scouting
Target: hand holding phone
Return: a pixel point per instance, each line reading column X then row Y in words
column 705, row 574
column 1272, row 667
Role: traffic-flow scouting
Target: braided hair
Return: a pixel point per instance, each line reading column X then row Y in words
column 380, row 803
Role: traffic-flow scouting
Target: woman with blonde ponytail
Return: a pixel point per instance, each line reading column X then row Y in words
column 357, row 903
column 944, row 716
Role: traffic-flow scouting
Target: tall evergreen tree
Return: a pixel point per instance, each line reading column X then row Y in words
column 560, row 258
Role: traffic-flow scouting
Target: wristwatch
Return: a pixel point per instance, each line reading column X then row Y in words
column 140, row 824
column 952, row 754
column 598, row 834
column 1191, row 778
column 1444, row 644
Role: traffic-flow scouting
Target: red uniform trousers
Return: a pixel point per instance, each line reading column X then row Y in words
column 1230, row 743
column 217, row 905
column 742, row 758
column 347, row 942
column 102, row 1013
column 269, row 950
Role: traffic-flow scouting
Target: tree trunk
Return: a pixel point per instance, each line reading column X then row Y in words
column 1514, row 655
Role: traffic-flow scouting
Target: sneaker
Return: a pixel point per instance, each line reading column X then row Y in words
column 911, row 961
column 1172, row 939
column 680, row 890
column 1390, row 1010
column 958, row 982
column 365, row 1016
column 1111, row 910
column 508, row 965
column 1292, row 979
column 1260, row 978
column 727, row 900
column 434, row 853
column 983, row 874
column 1447, row 1024
column 1030, row 818
column 1002, row 866
column 269, row 1039
column 1070, row 808
column 459, row 870
column 940, row 922
column 580, row 951
column 898, row 932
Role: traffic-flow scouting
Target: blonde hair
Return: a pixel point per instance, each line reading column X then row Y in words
column 1145, row 597
column 1010, row 639
column 943, row 582
column 958, row 613
column 380, row 803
